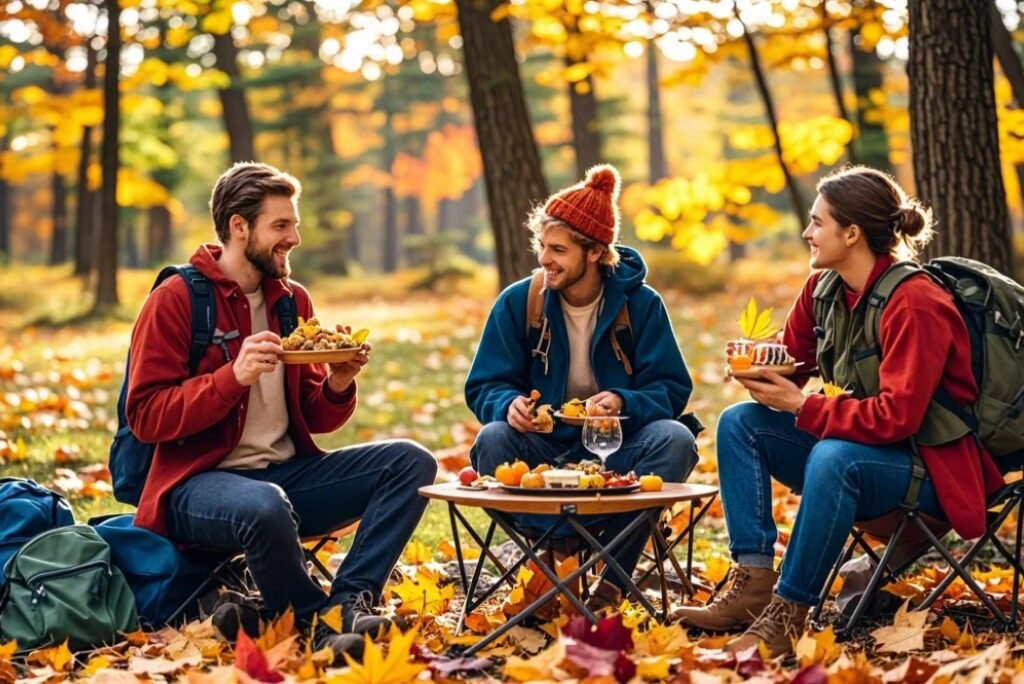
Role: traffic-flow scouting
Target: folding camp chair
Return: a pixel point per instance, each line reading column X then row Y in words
column 232, row 574
column 908, row 527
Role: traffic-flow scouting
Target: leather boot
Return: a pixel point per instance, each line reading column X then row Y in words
column 778, row 626
column 605, row 596
column 736, row 606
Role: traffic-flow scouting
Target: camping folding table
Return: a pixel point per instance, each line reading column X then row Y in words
column 567, row 509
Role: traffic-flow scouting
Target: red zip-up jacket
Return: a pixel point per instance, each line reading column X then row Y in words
column 197, row 421
column 924, row 343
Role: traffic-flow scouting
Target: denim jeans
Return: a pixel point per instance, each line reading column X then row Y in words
column 265, row 512
column 840, row 482
column 664, row 447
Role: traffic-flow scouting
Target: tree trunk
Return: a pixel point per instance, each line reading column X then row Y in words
column 951, row 92
column 834, row 80
column 586, row 136
column 86, row 202
column 515, row 180
column 657, row 168
column 391, row 249
column 237, row 121
column 872, row 142
column 413, row 216
column 131, row 257
column 352, row 236
column 158, row 247
column 59, row 218
column 795, row 198
column 106, row 283
column 1009, row 63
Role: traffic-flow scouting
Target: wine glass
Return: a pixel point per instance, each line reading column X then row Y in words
column 602, row 435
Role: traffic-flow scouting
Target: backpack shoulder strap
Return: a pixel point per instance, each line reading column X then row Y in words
column 287, row 315
column 204, row 313
column 621, row 325
column 880, row 294
column 535, row 301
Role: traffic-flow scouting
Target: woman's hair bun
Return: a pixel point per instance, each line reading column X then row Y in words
column 911, row 219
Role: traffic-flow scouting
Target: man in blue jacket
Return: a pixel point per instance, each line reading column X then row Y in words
column 601, row 335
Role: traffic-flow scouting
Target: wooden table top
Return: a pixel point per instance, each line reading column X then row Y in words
column 500, row 500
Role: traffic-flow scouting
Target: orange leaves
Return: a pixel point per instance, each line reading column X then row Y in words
column 448, row 168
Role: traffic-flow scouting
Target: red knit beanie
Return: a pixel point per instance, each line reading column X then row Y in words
column 591, row 207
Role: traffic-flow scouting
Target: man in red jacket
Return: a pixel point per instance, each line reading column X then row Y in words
column 235, row 466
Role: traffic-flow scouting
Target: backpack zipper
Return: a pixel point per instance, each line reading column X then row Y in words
column 37, row 582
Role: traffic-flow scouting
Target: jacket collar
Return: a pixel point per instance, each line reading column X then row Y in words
column 205, row 260
column 883, row 262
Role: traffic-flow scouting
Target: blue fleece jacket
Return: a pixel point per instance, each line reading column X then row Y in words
column 503, row 369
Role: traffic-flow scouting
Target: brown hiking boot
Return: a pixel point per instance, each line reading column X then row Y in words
column 605, row 596
column 778, row 626
column 735, row 607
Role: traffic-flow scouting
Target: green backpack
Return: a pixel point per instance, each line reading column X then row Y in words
column 62, row 585
column 992, row 307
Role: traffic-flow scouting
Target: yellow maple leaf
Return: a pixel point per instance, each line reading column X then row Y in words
column 395, row 668
column 360, row 335
column 817, row 647
column 332, row 618
column 830, row 390
column 57, row 657
column 447, row 550
column 422, row 594
column 279, row 630
column 417, row 553
column 754, row 325
column 660, row 641
column 655, row 668
column 7, row 650
column 95, row 664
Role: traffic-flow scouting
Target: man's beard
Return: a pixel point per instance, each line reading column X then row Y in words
column 570, row 278
column 264, row 261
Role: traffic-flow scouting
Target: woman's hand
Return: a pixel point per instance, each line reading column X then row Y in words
column 774, row 391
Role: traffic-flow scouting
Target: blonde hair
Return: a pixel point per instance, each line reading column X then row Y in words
column 539, row 222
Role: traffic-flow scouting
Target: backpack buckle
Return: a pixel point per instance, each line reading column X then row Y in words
column 221, row 340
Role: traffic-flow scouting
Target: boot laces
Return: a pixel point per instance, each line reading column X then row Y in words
column 777, row 617
column 735, row 590
column 362, row 602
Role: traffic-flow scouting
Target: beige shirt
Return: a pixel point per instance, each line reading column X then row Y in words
column 265, row 438
column 579, row 324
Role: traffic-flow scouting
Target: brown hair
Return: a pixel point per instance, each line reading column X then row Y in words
column 893, row 223
column 539, row 221
column 242, row 189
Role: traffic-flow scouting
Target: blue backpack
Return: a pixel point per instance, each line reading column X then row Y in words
column 130, row 458
column 26, row 510
column 167, row 583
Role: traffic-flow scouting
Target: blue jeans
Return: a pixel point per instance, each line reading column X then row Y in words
column 840, row 482
column 664, row 447
column 265, row 512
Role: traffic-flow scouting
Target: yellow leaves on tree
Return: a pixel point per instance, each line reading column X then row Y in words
column 806, row 144
column 376, row 668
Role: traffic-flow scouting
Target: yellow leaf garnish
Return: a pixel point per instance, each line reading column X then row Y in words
column 754, row 325
column 360, row 335
column 831, row 390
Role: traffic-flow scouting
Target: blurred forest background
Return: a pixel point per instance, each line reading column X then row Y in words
column 423, row 130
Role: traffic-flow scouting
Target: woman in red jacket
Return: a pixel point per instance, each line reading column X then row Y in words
column 848, row 455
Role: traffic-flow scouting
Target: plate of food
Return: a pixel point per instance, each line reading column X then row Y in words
column 757, row 350
column 311, row 343
column 575, row 482
column 762, row 356
column 574, row 412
